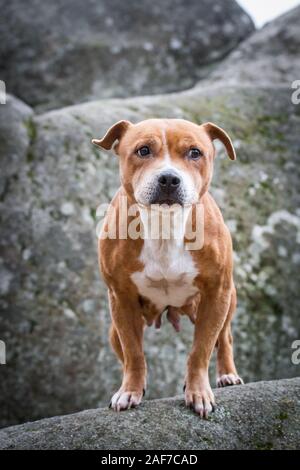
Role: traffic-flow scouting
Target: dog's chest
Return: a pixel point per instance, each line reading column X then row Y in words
column 168, row 275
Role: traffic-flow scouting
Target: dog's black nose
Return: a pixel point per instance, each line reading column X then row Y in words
column 168, row 182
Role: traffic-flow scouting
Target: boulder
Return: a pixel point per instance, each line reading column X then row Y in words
column 270, row 56
column 14, row 137
column 63, row 52
column 55, row 317
column 258, row 416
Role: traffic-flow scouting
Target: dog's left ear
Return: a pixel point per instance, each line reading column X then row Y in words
column 114, row 133
column 216, row 132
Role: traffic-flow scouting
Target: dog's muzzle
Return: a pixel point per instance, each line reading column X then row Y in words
column 168, row 189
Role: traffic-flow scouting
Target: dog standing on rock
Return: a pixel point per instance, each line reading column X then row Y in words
column 166, row 167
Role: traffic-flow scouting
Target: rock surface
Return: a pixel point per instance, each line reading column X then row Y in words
column 269, row 56
column 258, row 416
column 68, row 51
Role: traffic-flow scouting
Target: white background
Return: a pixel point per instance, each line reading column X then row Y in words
column 263, row 11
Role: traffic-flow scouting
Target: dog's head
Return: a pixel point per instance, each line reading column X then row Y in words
column 165, row 161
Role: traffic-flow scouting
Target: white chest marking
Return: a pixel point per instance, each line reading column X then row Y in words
column 169, row 272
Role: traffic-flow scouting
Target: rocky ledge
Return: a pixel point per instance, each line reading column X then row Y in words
column 261, row 415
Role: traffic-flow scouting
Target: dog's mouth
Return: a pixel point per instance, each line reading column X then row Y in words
column 167, row 199
column 167, row 202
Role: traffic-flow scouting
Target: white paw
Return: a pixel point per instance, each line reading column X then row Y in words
column 124, row 400
column 201, row 401
column 229, row 379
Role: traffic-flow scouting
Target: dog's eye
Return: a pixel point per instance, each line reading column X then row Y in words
column 194, row 154
column 143, row 152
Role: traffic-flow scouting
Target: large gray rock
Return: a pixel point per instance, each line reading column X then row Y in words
column 269, row 56
column 54, row 311
column 68, row 51
column 258, row 416
column 14, row 138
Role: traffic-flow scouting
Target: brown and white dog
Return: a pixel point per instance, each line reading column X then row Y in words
column 169, row 163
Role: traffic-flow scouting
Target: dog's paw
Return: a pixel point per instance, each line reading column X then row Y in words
column 201, row 401
column 229, row 379
column 124, row 400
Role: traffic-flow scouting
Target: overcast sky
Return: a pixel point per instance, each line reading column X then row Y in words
column 263, row 11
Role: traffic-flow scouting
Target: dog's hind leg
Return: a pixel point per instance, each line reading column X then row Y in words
column 226, row 370
column 115, row 342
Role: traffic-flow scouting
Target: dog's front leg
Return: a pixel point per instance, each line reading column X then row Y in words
column 128, row 325
column 211, row 315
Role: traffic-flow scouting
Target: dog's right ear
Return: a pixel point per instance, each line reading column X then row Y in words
column 114, row 133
